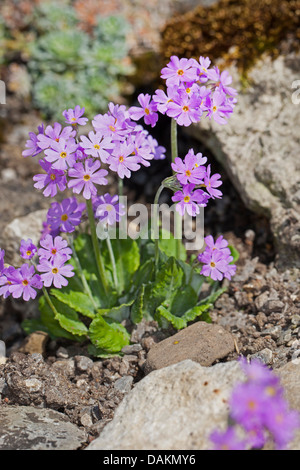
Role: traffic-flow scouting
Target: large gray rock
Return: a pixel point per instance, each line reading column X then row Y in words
column 289, row 376
column 29, row 428
column 174, row 408
column 201, row 342
column 29, row 226
column 259, row 148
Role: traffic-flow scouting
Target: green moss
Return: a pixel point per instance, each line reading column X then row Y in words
column 237, row 31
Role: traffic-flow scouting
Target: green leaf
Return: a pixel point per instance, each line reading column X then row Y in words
column 163, row 313
column 234, row 253
column 63, row 325
column 167, row 244
column 143, row 275
column 168, row 280
column 127, row 257
column 108, row 337
column 136, row 313
column 196, row 311
column 35, row 324
column 84, row 249
column 78, row 301
column 185, row 299
column 118, row 313
column 213, row 296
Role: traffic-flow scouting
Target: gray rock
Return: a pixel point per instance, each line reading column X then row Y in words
column 259, row 148
column 29, row 428
column 265, row 356
column 173, row 408
column 289, row 376
column 124, row 384
column 201, row 342
column 29, row 226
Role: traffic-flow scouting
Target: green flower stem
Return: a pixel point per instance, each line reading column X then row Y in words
column 47, row 297
column 174, row 154
column 120, row 187
column 156, row 207
column 113, row 263
column 82, row 276
column 174, row 150
column 95, row 242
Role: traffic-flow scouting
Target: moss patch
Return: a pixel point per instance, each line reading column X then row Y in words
column 235, row 30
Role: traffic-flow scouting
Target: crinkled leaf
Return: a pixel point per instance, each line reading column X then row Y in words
column 163, row 313
column 143, row 275
column 108, row 337
column 213, row 296
column 65, row 324
column 168, row 281
column 196, row 311
column 184, row 299
column 136, row 313
column 79, row 301
column 118, row 313
column 168, row 245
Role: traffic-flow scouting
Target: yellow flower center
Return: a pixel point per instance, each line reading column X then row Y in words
column 180, row 72
column 185, row 108
column 109, row 207
column 25, row 282
column 53, row 251
column 188, row 90
column 63, row 154
column 212, row 264
column 28, row 252
column 55, row 270
column 214, row 109
column 97, row 146
column 52, row 176
column 64, row 217
column 86, row 177
column 112, row 128
column 188, row 173
column 147, row 111
column 121, row 159
column 187, row 199
column 271, row 391
column 251, row 405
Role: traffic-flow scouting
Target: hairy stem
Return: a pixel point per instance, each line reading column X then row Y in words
column 82, row 276
column 156, row 235
column 96, row 247
column 113, row 263
column 174, row 154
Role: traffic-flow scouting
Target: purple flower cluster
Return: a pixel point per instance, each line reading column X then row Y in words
column 28, row 278
column 259, row 408
column 22, row 281
column 74, row 162
column 216, row 259
column 192, row 173
column 53, row 255
column 193, row 90
column 108, row 209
